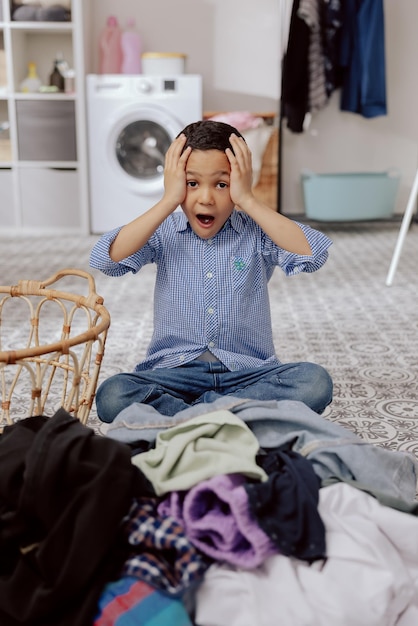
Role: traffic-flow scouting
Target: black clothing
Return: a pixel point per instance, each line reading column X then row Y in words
column 63, row 493
column 286, row 505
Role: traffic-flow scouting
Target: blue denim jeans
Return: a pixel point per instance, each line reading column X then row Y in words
column 172, row 390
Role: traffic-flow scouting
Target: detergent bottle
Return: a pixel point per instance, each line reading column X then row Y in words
column 131, row 49
column 32, row 81
column 110, row 47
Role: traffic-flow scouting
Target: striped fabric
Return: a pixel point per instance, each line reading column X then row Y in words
column 310, row 12
column 130, row 601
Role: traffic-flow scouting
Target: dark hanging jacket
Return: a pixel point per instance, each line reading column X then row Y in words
column 295, row 75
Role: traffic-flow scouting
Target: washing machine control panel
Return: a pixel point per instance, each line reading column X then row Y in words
column 169, row 85
column 147, row 86
column 144, row 86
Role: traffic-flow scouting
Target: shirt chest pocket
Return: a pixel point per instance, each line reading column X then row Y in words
column 247, row 274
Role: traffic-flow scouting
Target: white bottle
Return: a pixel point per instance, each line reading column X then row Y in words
column 131, row 49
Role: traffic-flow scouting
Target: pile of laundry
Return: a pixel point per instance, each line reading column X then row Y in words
column 237, row 512
column 282, row 513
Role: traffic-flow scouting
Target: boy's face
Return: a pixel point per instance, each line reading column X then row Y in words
column 208, row 202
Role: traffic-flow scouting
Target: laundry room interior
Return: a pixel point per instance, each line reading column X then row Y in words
column 237, row 50
column 92, row 95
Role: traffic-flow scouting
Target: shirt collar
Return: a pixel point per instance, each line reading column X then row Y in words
column 235, row 221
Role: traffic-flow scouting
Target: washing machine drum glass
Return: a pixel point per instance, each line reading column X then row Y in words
column 141, row 148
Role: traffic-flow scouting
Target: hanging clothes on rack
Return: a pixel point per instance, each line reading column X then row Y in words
column 295, row 72
column 332, row 16
column 334, row 44
column 310, row 12
column 363, row 58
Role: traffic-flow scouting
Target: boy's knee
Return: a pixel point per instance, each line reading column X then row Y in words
column 311, row 384
column 120, row 391
column 108, row 399
column 321, row 388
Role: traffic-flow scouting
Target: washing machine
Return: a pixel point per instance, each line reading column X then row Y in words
column 132, row 120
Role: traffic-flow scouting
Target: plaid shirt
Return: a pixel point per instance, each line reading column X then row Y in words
column 211, row 294
column 161, row 555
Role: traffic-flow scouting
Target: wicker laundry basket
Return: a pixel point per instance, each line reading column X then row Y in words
column 51, row 346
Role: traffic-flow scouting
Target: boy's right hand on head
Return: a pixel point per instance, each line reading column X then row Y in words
column 175, row 171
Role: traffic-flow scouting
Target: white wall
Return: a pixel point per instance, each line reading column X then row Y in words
column 235, row 45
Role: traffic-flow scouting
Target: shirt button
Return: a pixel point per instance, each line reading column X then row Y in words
column 181, row 357
column 211, row 344
column 210, row 310
column 209, row 275
column 210, row 241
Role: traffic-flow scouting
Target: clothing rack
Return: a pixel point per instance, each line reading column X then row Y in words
column 406, row 221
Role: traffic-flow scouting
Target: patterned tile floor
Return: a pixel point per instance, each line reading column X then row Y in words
column 343, row 317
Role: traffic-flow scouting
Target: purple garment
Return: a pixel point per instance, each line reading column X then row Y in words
column 216, row 516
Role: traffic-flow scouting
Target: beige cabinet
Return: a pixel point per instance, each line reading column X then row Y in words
column 43, row 152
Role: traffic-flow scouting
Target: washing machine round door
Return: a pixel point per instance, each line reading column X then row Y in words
column 141, row 147
column 139, row 143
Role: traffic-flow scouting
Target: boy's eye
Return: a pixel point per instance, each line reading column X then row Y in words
column 191, row 183
column 222, row 185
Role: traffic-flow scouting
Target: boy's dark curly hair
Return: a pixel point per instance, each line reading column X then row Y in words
column 209, row 135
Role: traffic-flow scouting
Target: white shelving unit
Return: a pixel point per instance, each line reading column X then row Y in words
column 43, row 152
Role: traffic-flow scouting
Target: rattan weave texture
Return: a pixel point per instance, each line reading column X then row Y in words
column 60, row 361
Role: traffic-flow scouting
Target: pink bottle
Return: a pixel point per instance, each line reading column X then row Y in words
column 131, row 49
column 110, row 47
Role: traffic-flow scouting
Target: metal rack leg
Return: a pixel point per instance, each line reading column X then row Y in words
column 406, row 220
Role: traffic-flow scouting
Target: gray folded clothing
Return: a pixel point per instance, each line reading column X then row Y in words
column 26, row 13
column 55, row 13
column 37, row 13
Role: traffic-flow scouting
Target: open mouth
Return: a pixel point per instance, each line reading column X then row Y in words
column 205, row 220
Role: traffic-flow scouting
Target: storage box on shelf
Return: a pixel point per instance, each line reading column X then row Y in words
column 46, row 130
column 43, row 171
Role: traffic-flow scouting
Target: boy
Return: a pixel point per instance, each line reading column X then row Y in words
column 212, row 325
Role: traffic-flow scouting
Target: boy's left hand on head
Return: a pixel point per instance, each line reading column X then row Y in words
column 241, row 170
column 175, row 170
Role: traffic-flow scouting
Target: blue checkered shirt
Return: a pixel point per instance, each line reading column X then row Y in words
column 212, row 294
